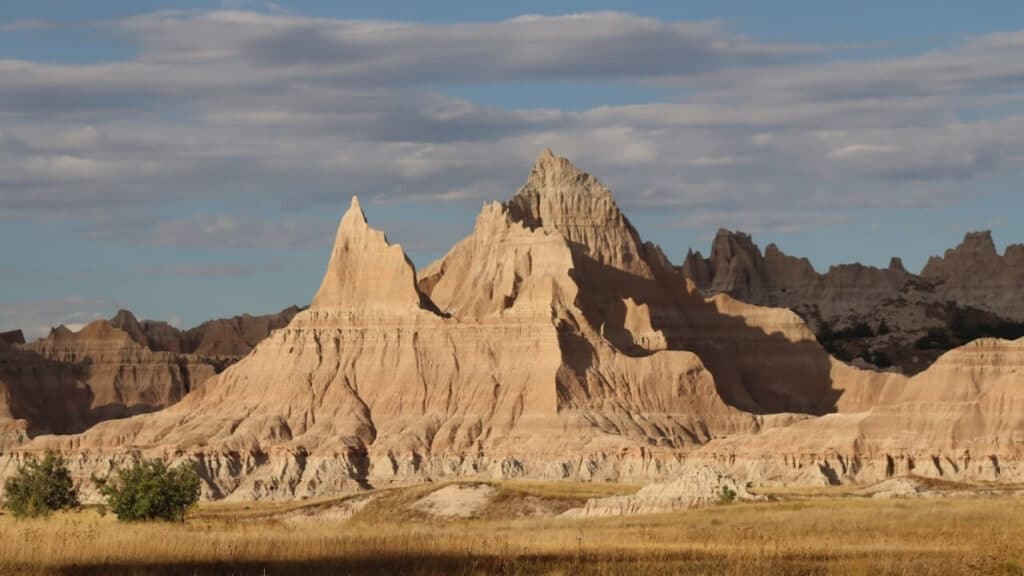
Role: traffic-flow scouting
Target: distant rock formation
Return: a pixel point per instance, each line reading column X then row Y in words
column 974, row 274
column 69, row 381
column 225, row 337
column 884, row 316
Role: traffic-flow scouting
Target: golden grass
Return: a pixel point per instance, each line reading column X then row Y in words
column 822, row 535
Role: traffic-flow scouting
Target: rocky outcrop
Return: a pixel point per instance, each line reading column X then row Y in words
column 229, row 338
column 975, row 274
column 962, row 419
column 881, row 316
column 694, row 487
column 69, row 381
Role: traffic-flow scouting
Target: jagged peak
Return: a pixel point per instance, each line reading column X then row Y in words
column 125, row 315
column 978, row 241
column 556, row 175
column 896, row 265
column 738, row 234
column 366, row 272
column 560, row 197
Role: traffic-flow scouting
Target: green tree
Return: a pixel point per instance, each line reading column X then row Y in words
column 41, row 486
column 150, row 490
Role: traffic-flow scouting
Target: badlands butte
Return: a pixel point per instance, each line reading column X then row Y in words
column 552, row 342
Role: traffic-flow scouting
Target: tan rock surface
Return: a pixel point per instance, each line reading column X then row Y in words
column 456, row 501
column 694, row 487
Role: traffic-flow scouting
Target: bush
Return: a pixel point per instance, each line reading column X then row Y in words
column 41, row 487
column 150, row 490
column 726, row 495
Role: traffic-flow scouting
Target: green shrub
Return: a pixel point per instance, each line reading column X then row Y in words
column 150, row 490
column 726, row 495
column 41, row 487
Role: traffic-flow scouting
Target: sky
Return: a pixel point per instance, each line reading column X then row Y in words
column 191, row 160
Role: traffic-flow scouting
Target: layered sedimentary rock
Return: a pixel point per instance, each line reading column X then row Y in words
column 376, row 381
column 69, row 381
column 962, row 419
column 551, row 342
column 883, row 315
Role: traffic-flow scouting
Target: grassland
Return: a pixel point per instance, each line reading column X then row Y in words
column 821, row 533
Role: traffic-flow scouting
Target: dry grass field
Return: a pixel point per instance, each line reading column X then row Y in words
column 819, row 533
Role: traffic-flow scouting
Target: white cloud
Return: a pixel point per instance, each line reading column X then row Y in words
column 853, row 150
column 258, row 112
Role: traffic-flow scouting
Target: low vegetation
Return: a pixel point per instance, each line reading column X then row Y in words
column 726, row 495
column 40, row 487
column 826, row 532
column 150, row 490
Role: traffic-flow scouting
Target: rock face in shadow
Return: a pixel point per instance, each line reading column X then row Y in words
column 962, row 419
column 878, row 316
column 552, row 342
column 69, row 381
column 12, row 337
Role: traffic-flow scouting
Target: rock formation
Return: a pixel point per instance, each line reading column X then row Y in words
column 552, row 342
column 975, row 274
column 694, row 487
column 884, row 315
column 229, row 338
column 962, row 419
column 69, row 381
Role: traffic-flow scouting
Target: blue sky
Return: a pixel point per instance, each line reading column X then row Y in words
column 190, row 160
